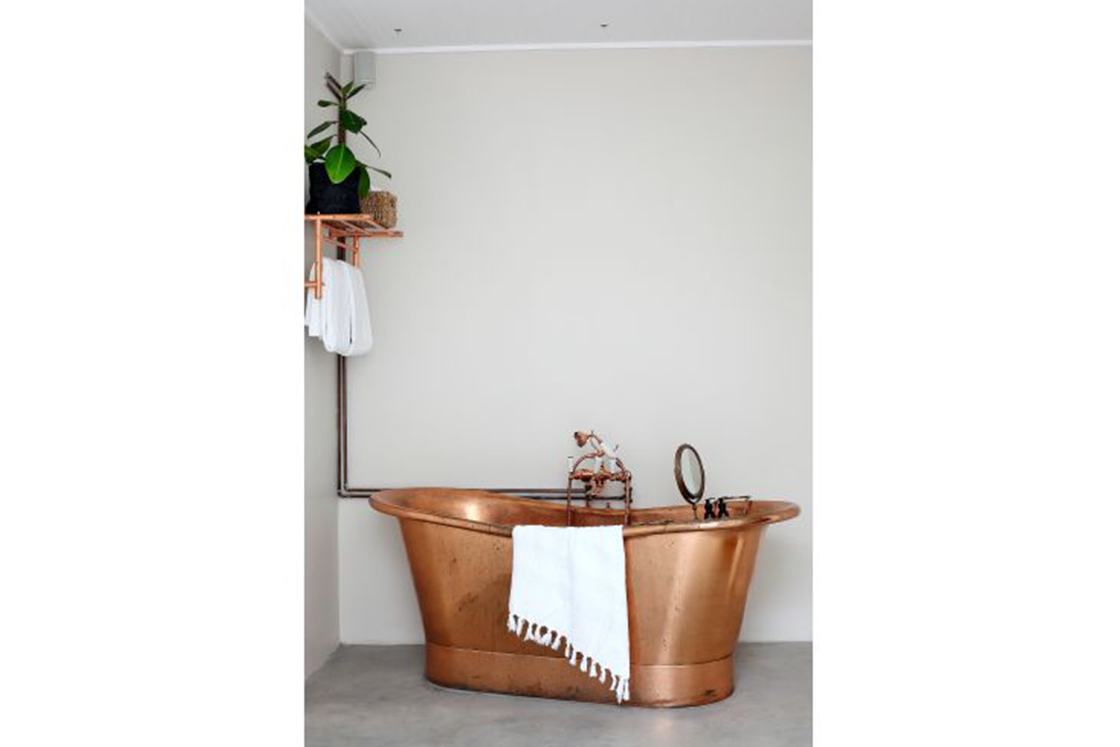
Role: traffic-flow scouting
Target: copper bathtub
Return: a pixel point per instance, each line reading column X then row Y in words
column 686, row 589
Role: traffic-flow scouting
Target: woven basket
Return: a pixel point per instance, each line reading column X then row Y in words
column 382, row 206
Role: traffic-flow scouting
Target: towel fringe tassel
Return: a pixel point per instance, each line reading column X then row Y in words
column 521, row 628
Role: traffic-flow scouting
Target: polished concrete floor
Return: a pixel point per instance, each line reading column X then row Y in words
column 377, row 695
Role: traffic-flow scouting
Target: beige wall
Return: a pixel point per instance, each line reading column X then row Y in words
column 320, row 504
column 617, row 240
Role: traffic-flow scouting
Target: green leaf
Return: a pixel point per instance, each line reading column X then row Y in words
column 346, row 89
column 324, row 102
column 382, row 171
column 351, row 121
column 340, row 162
column 354, row 93
column 310, row 154
column 371, row 143
column 321, row 146
column 320, row 128
column 363, row 182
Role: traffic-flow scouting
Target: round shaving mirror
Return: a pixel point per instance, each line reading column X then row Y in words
column 689, row 471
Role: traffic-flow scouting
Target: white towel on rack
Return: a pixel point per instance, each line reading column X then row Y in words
column 570, row 582
column 337, row 312
column 340, row 316
column 361, row 331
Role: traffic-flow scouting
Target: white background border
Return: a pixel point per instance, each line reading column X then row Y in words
column 966, row 375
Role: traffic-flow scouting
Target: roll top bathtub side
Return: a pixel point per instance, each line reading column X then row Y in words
column 687, row 587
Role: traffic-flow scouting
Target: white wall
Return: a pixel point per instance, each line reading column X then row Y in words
column 320, row 504
column 616, row 240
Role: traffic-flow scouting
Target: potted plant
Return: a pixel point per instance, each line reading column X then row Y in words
column 338, row 179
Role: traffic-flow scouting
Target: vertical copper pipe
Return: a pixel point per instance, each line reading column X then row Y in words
column 318, row 259
column 568, row 502
column 341, row 476
column 626, row 518
column 340, row 425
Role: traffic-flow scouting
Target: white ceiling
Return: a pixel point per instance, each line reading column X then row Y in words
column 370, row 24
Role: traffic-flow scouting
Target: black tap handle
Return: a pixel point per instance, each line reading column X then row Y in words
column 708, row 512
column 722, row 505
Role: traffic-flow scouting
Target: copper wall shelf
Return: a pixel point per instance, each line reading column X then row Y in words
column 334, row 230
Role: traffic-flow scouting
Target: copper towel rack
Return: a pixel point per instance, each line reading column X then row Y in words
column 334, row 230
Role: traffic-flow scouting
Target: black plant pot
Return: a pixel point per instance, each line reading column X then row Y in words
column 328, row 198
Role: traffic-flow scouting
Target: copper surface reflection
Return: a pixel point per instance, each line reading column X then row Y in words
column 687, row 584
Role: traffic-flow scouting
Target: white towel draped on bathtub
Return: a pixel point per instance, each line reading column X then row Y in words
column 570, row 583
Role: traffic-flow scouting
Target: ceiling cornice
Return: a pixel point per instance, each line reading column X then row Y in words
column 729, row 43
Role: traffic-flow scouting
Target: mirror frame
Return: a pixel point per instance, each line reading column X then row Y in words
column 692, row 498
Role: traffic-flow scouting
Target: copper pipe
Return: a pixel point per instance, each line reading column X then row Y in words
column 318, row 262
column 340, row 425
column 337, row 243
column 354, row 224
column 342, row 482
column 338, row 228
column 343, row 489
column 594, row 480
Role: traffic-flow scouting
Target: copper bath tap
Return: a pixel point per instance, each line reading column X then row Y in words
column 606, row 467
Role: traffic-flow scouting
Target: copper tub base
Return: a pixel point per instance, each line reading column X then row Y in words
column 686, row 588
column 651, row 685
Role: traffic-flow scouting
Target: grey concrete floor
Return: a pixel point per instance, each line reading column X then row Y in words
column 377, row 695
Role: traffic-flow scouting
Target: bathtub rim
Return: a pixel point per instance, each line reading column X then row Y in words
column 772, row 513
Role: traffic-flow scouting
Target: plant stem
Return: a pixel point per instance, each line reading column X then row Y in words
column 341, row 127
